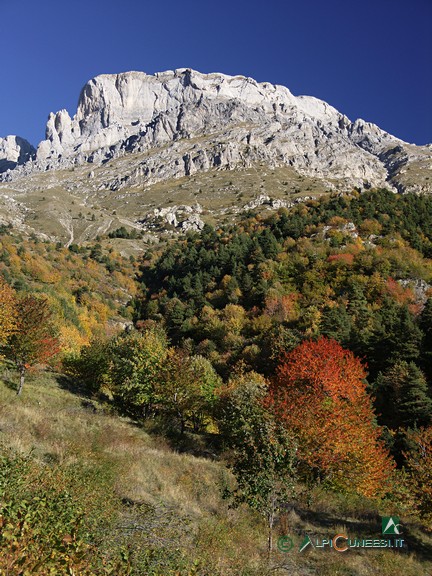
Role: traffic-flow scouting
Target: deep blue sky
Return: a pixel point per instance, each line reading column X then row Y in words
column 369, row 58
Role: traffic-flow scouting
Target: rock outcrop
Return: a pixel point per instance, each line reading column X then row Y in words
column 13, row 152
column 185, row 122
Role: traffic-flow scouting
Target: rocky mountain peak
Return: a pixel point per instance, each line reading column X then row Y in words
column 234, row 122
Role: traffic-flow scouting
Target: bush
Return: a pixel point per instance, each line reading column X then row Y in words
column 44, row 520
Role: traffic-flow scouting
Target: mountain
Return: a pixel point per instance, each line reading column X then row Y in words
column 207, row 143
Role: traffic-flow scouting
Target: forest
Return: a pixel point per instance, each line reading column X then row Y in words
column 295, row 347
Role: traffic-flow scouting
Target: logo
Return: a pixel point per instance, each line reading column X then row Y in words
column 390, row 525
column 305, row 543
column 285, row 544
column 341, row 542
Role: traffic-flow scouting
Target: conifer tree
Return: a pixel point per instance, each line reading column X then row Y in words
column 402, row 396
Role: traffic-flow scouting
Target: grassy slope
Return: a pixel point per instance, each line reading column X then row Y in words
column 168, row 505
column 66, row 205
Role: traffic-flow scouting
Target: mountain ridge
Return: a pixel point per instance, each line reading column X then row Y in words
column 133, row 131
column 134, row 111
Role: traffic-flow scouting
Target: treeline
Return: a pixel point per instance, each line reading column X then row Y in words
column 354, row 268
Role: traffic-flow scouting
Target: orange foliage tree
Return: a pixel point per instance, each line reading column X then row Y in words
column 34, row 340
column 7, row 311
column 319, row 394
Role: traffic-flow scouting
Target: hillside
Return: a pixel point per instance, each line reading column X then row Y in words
column 143, row 503
column 89, row 288
column 126, row 452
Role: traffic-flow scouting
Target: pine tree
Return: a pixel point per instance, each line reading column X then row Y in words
column 402, row 396
column 335, row 323
column 425, row 323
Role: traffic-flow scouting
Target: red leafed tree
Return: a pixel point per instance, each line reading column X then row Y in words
column 33, row 340
column 320, row 395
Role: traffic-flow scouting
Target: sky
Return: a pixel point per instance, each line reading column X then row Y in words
column 370, row 59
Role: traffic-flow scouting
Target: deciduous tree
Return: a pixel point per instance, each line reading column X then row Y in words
column 263, row 451
column 136, row 363
column 34, row 340
column 319, row 394
column 186, row 388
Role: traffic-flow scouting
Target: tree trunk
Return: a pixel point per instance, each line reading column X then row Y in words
column 270, row 532
column 22, row 376
column 271, row 520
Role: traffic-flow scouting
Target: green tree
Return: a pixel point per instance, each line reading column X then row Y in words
column 186, row 388
column 92, row 365
column 396, row 336
column 402, row 398
column 425, row 323
column 335, row 323
column 136, row 363
column 263, row 453
column 361, row 317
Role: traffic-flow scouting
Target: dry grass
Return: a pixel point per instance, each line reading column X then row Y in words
column 169, row 505
column 68, row 206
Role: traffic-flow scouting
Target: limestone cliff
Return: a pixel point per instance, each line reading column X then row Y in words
column 188, row 122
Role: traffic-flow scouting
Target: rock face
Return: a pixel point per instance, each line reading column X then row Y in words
column 233, row 122
column 14, row 151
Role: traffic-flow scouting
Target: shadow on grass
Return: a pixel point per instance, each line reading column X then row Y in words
column 367, row 527
column 199, row 444
column 73, row 385
column 416, row 545
column 9, row 376
column 88, row 398
column 10, row 383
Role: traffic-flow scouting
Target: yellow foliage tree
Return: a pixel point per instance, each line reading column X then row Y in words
column 7, row 311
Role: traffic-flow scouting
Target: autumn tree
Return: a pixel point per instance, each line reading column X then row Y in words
column 419, row 467
column 34, row 339
column 7, row 311
column 262, row 455
column 319, row 394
